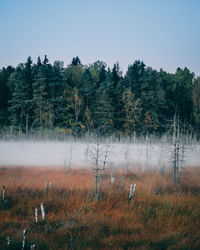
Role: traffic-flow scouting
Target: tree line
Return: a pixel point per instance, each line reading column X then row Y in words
column 80, row 99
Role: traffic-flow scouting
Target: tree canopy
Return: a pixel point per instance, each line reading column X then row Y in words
column 96, row 99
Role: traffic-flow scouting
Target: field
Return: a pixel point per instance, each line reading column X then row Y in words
column 160, row 215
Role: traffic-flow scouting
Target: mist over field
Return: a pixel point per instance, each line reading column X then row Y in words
column 55, row 153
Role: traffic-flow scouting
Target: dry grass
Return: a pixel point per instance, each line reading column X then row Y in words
column 161, row 215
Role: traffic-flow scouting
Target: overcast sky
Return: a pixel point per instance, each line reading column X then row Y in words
column 163, row 34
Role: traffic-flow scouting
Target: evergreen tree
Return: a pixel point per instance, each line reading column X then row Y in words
column 39, row 63
column 114, row 78
column 74, row 106
column 40, row 99
column 135, row 77
column 56, row 87
column 45, row 61
column 132, row 111
column 183, row 94
column 88, row 91
column 76, row 61
column 96, row 99
column 116, row 74
column 29, row 87
column 72, row 74
column 5, row 95
column 104, row 111
column 20, row 99
column 196, row 104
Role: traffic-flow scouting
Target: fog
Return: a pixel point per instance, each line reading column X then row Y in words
column 79, row 154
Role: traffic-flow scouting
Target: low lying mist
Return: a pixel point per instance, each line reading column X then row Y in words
column 141, row 155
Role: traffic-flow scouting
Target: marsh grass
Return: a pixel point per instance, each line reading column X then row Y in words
column 160, row 216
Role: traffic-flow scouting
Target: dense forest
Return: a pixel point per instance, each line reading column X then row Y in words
column 80, row 99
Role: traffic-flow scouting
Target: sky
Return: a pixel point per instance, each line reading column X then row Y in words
column 162, row 34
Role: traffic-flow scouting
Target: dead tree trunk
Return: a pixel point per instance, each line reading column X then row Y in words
column 24, row 239
column 122, row 180
column 36, row 215
column 99, row 167
column 127, row 159
column 96, row 171
column 4, row 194
column 176, row 148
column 113, row 175
column 43, row 212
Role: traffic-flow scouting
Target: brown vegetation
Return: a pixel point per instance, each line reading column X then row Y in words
column 160, row 216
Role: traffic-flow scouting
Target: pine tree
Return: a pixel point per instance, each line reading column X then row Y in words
column 87, row 90
column 29, row 88
column 20, row 101
column 135, row 77
column 132, row 111
column 76, row 61
column 104, row 111
column 196, row 104
column 40, row 99
column 4, row 95
column 56, row 88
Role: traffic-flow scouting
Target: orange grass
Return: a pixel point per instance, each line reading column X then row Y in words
column 161, row 215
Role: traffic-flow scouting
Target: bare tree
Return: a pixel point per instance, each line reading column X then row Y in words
column 122, row 179
column 86, row 153
column 99, row 163
column 162, row 152
column 68, row 160
column 176, row 147
column 147, row 153
column 112, row 175
column 126, row 156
